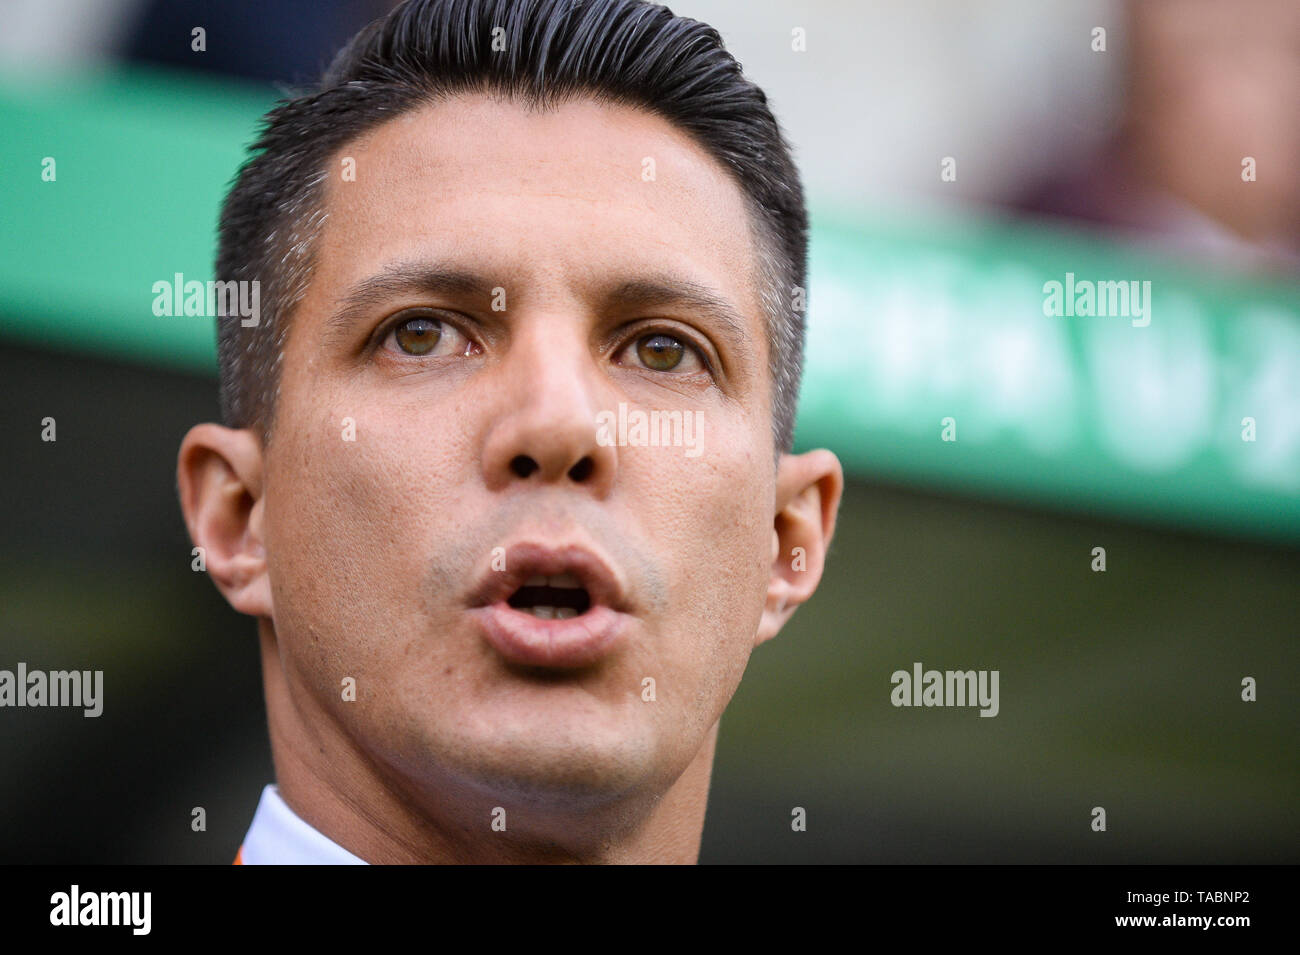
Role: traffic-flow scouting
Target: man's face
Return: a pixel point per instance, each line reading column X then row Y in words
column 419, row 467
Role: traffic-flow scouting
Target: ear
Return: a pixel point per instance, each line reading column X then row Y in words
column 808, row 489
column 219, row 476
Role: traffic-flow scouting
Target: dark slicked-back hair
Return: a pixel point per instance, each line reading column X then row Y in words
column 625, row 52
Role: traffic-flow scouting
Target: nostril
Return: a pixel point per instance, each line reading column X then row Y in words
column 582, row 470
column 523, row 465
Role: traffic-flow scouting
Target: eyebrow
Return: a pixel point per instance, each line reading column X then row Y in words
column 647, row 292
column 397, row 280
column 668, row 292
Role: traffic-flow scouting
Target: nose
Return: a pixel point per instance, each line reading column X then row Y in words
column 549, row 394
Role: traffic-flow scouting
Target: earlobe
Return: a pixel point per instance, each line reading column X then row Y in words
column 808, row 490
column 219, row 477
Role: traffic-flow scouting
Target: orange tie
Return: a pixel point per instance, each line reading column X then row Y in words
column 239, row 857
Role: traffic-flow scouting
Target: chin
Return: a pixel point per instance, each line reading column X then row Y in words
column 558, row 761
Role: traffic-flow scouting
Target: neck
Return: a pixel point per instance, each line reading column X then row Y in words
column 326, row 779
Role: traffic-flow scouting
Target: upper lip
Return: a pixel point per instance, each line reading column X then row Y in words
column 529, row 559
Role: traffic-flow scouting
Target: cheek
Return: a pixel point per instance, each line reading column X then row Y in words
column 717, row 544
column 366, row 473
column 350, row 498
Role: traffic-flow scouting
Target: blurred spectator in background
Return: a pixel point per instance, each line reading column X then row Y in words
column 276, row 41
column 280, row 41
column 1209, row 86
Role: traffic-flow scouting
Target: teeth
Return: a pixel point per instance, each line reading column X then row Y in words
column 564, row 581
column 552, row 613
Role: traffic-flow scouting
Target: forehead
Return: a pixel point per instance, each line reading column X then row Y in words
column 551, row 201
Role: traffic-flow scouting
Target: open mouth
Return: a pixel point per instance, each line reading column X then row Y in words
column 556, row 606
column 552, row 597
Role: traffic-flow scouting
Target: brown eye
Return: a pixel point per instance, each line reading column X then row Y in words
column 418, row 336
column 660, row 352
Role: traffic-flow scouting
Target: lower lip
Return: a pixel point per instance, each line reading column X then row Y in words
column 532, row 641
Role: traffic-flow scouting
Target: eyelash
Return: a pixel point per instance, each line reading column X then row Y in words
column 389, row 329
column 706, row 366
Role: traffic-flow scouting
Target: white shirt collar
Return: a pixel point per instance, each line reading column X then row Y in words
column 279, row 836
